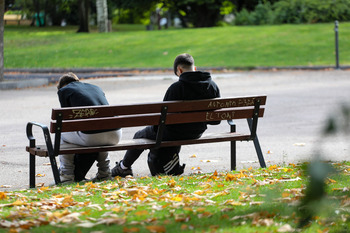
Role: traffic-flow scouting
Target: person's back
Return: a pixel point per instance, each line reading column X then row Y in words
column 73, row 93
column 77, row 94
column 192, row 85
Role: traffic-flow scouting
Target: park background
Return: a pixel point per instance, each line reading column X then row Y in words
column 253, row 50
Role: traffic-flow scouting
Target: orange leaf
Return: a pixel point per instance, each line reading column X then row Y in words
column 142, row 212
column 3, row 196
column 156, row 229
column 132, row 229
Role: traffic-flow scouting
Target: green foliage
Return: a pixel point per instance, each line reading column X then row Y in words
column 339, row 123
column 296, row 11
column 227, row 8
column 319, row 172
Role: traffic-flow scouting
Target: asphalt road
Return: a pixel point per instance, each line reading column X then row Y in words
column 298, row 104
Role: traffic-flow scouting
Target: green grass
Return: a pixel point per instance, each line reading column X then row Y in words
column 132, row 47
column 250, row 200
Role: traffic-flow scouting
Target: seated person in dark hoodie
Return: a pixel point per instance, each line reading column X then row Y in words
column 192, row 85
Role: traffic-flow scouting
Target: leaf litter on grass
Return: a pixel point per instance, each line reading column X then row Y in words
column 205, row 202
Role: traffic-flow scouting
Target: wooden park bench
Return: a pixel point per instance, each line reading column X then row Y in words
column 135, row 115
column 8, row 18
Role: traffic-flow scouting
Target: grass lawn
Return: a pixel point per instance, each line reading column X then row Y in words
column 250, row 200
column 130, row 47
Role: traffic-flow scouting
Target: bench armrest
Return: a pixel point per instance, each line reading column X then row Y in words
column 45, row 132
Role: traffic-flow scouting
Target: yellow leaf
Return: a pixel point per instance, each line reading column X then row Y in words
column 285, row 194
column 40, row 175
column 156, row 229
column 142, row 212
column 230, row 177
column 3, row 196
column 329, row 180
column 178, row 199
column 18, row 202
column 193, row 156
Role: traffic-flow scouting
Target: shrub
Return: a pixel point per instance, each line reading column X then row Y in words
column 295, row 11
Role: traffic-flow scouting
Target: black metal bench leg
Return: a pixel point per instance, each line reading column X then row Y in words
column 233, row 145
column 55, row 171
column 259, row 152
column 31, row 171
column 257, row 146
column 233, row 155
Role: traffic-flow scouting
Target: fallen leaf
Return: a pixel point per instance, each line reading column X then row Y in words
column 299, row 144
column 286, row 228
column 132, row 229
column 142, row 212
column 3, row 196
column 156, row 229
column 86, row 224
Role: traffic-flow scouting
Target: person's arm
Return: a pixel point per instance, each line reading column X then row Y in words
column 63, row 99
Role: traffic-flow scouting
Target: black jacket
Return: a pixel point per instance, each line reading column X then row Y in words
column 77, row 94
column 194, row 85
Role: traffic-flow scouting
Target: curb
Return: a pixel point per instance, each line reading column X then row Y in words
column 19, row 84
column 18, row 78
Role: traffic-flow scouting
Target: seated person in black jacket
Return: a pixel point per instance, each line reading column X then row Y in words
column 192, row 85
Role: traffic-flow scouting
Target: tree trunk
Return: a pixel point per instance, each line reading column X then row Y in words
column 83, row 16
column 102, row 15
column 2, row 12
column 36, row 4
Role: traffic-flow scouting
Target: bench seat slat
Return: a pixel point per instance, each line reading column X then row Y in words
column 41, row 150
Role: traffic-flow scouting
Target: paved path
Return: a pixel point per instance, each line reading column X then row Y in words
column 298, row 104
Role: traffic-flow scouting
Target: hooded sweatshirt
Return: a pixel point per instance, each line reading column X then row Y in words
column 193, row 85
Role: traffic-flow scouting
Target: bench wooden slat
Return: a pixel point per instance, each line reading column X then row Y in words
column 173, row 106
column 41, row 150
column 153, row 119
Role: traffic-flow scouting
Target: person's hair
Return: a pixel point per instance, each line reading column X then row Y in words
column 66, row 79
column 184, row 60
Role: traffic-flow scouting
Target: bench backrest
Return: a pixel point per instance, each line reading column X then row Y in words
column 177, row 112
column 12, row 17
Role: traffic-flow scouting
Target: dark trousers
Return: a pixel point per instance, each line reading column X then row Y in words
column 149, row 133
column 83, row 163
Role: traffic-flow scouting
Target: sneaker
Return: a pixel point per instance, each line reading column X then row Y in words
column 118, row 171
column 65, row 179
column 99, row 177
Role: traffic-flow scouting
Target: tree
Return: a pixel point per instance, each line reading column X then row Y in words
column 83, row 15
column 199, row 13
column 102, row 15
column 2, row 12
